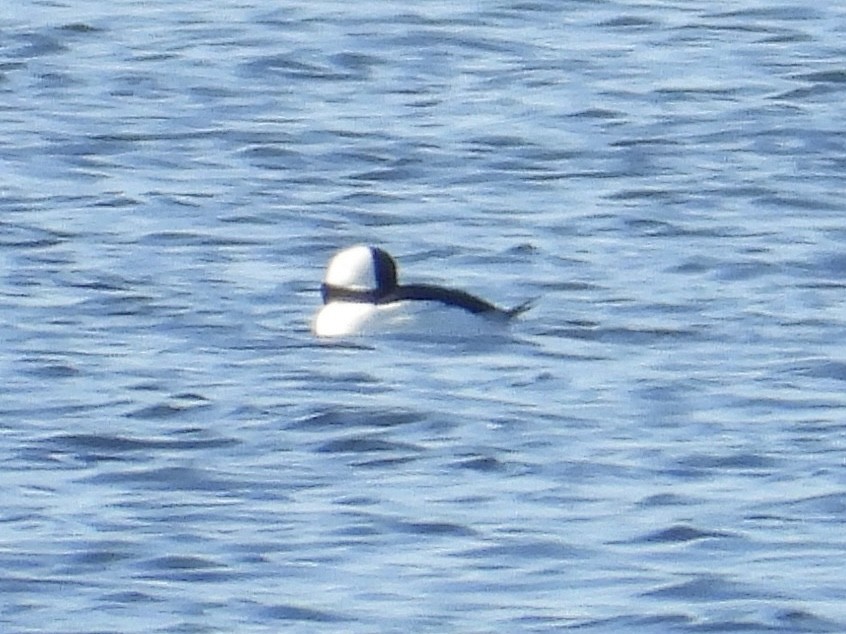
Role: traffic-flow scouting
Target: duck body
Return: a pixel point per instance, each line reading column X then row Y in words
column 361, row 295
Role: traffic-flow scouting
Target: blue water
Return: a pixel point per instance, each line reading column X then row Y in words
column 659, row 447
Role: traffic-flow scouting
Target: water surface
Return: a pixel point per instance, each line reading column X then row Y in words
column 658, row 446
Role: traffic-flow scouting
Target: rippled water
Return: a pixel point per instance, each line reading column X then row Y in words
column 659, row 448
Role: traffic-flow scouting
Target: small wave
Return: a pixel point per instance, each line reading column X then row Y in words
column 298, row 613
column 680, row 533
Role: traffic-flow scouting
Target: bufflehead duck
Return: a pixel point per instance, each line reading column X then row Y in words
column 361, row 294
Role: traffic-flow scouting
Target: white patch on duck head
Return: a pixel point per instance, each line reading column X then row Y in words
column 362, row 268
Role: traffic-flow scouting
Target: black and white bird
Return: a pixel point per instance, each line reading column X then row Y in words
column 361, row 294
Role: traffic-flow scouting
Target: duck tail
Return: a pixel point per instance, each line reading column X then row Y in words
column 521, row 308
